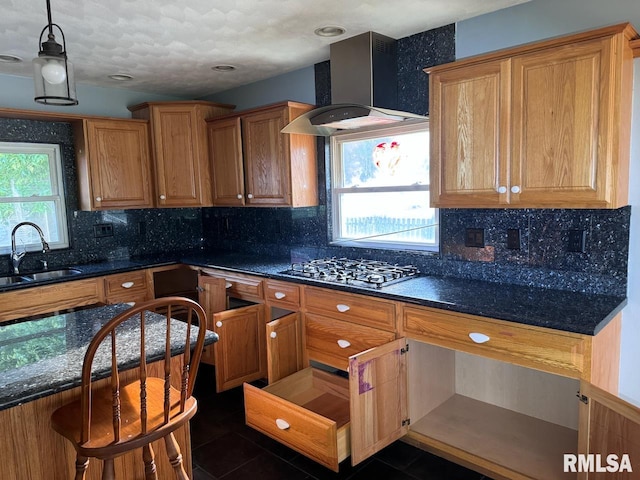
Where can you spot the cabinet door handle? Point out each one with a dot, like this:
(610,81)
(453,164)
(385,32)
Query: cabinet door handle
(279,295)
(249,195)
(131,304)
(228,285)
(515,189)
(239,196)
(127,284)
(98,199)
(273,334)
(282,424)
(479,337)
(344,343)
(502,189)
(342,307)
(163,197)
(218,324)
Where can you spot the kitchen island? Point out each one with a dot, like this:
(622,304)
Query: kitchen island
(40,370)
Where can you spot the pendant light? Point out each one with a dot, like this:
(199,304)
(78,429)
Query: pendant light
(52,71)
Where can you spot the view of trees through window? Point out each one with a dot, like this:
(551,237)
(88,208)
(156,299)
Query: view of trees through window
(30,190)
(381,190)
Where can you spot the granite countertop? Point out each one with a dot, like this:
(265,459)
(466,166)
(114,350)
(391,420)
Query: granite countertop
(43,356)
(557,309)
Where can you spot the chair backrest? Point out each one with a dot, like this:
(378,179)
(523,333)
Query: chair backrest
(165,324)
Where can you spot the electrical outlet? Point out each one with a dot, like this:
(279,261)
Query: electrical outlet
(103,230)
(513,238)
(474,237)
(577,241)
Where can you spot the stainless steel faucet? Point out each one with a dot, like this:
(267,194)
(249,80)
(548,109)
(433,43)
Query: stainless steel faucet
(16,257)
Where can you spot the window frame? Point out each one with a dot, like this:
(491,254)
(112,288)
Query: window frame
(57,196)
(335,177)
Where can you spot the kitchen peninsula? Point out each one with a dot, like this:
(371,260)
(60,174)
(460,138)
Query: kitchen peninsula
(40,365)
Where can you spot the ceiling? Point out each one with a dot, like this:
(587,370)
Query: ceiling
(169,46)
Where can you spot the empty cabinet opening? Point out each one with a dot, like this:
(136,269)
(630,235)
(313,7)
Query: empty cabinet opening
(181,282)
(521,419)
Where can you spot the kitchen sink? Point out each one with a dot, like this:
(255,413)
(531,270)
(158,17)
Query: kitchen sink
(13,280)
(52,274)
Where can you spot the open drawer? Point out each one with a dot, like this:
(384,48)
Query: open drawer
(328,417)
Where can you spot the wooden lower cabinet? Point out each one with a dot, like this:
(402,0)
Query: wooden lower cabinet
(284,348)
(129,287)
(327,417)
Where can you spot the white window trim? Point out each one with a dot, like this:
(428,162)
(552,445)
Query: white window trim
(336,179)
(57,197)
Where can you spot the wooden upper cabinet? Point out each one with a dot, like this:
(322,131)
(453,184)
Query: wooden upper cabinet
(225,152)
(545,125)
(181,160)
(114,167)
(254,164)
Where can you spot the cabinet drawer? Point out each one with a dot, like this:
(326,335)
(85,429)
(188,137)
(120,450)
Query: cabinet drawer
(542,349)
(307,411)
(127,287)
(282,294)
(332,341)
(240,286)
(360,309)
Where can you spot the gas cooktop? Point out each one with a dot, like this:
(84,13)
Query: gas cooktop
(361,273)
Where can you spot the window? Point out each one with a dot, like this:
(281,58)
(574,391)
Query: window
(31,190)
(380,189)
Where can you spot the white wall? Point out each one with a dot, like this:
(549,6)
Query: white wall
(17,92)
(540,19)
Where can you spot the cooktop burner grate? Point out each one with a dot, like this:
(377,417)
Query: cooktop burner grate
(367,273)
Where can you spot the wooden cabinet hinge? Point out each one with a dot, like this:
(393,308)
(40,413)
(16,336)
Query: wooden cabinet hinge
(583,398)
(406,421)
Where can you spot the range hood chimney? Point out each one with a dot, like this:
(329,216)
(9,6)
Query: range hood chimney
(364,88)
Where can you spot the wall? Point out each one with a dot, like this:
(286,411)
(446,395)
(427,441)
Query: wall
(297,85)
(17,92)
(545,18)
(135,232)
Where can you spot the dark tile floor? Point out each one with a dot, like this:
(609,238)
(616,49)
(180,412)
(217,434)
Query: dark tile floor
(225,448)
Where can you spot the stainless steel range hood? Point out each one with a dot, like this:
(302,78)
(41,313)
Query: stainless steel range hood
(364,88)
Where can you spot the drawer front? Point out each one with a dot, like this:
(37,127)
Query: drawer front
(50,298)
(127,287)
(240,286)
(308,433)
(368,311)
(282,294)
(556,352)
(332,341)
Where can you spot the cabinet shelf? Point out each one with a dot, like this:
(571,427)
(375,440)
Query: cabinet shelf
(523,444)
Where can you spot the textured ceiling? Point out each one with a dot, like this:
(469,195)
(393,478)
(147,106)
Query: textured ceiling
(169,46)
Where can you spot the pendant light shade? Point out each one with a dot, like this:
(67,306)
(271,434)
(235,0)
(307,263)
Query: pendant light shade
(52,71)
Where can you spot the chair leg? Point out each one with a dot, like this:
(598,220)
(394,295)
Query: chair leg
(108,470)
(149,463)
(175,457)
(82,463)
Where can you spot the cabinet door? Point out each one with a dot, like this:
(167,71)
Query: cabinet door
(240,351)
(225,154)
(609,426)
(378,398)
(562,111)
(284,349)
(213,298)
(119,162)
(182,175)
(469,135)
(266,157)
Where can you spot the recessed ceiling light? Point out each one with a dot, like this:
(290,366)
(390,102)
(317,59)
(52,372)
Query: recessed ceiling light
(9,58)
(329,31)
(121,77)
(224,68)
